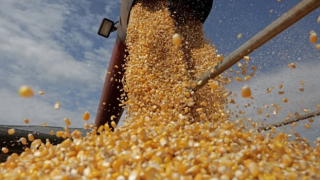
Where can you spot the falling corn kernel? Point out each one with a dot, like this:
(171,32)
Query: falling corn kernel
(292,65)
(313,37)
(176,39)
(285,100)
(214,85)
(246,91)
(26,121)
(30,137)
(247,78)
(271,11)
(199,83)
(260,111)
(318,19)
(11,131)
(44,124)
(239,79)
(280,86)
(51,132)
(220,57)
(86,116)
(67,121)
(59,133)
(247,58)
(57,105)
(5,150)
(254,68)
(26,92)
(318,46)
(23,141)
(113,124)
(307,126)
(305,110)
(86,126)
(41,92)
(239,36)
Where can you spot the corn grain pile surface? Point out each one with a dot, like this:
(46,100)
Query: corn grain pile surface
(171,133)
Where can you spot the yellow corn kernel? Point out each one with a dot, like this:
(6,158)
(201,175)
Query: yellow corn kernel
(117,164)
(286,160)
(66,143)
(313,37)
(86,126)
(176,39)
(67,121)
(199,83)
(318,46)
(239,79)
(151,173)
(247,58)
(187,94)
(30,137)
(25,92)
(100,129)
(307,126)
(204,104)
(44,124)
(292,65)
(41,92)
(247,78)
(23,141)
(59,133)
(318,19)
(51,132)
(214,85)
(5,150)
(143,135)
(11,131)
(57,105)
(113,124)
(305,110)
(86,116)
(239,36)
(220,57)
(26,121)
(246,91)
(285,100)
(253,167)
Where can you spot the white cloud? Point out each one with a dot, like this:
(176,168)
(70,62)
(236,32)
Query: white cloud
(54,47)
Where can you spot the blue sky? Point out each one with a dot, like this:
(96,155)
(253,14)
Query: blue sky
(53,46)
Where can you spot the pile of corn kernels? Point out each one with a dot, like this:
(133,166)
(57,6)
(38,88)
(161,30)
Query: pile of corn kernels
(171,133)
